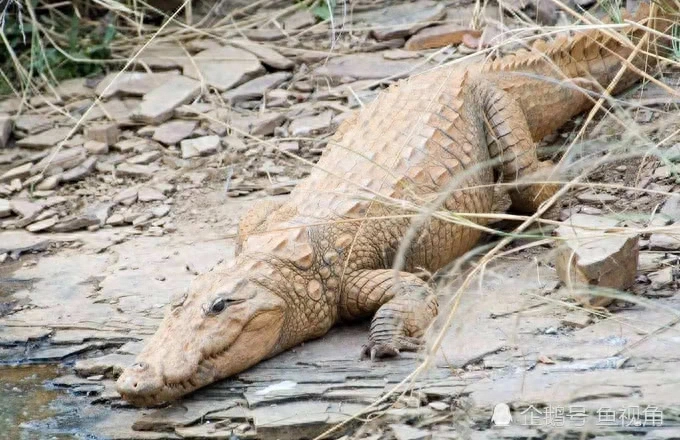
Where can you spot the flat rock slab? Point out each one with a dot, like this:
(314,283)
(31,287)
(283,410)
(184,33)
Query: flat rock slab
(401,20)
(309,125)
(159,104)
(132,83)
(46,139)
(223,67)
(256,88)
(171,132)
(6,125)
(366,66)
(203,146)
(266,55)
(440,36)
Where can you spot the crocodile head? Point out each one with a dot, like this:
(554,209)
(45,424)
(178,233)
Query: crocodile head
(221,326)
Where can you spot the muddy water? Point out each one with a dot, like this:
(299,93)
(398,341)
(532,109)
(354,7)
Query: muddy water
(32,410)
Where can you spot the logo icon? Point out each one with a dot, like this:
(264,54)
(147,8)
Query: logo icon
(501,415)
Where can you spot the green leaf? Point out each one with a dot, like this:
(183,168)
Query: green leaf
(321,9)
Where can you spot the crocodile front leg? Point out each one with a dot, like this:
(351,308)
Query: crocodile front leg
(404,306)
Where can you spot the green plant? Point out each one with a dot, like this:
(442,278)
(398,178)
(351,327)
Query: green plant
(51,46)
(323,9)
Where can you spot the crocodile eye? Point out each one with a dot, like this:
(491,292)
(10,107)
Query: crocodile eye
(218,306)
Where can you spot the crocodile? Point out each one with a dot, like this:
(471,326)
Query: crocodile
(335,249)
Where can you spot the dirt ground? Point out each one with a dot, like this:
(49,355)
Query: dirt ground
(99,234)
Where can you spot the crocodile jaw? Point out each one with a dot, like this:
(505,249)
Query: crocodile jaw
(192,348)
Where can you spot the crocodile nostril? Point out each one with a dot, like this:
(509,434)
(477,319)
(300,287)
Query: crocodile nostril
(140,366)
(134,385)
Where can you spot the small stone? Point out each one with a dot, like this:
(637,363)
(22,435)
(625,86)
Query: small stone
(596,198)
(126,197)
(132,83)
(32,124)
(172,132)
(43,225)
(158,105)
(127,145)
(223,67)
(46,139)
(589,257)
(100,211)
(289,147)
(64,159)
(577,318)
(49,183)
(130,170)
(5,208)
(302,18)
(160,211)
(75,223)
(6,125)
(15,184)
(270,168)
(103,132)
(235,144)
(202,146)
(20,172)
(147,194)
(96,147)
(256,88)
(170,227)
(80,171)
(142,219)
(438,406)
(664,242)
(366,66)
(439,36)
(266,55)
(311,124)
(402,19)
(115,220)
(259,125)
(145,158)
(661,279)
(671,208)
(406,432)
(28,211)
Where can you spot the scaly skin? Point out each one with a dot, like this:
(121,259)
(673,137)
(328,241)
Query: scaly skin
(326,254)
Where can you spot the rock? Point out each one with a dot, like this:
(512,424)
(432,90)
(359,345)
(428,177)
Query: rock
(661,279)
(577,318)
(46,139)
(159,104)
(440,36)
(49,183)
(32,124)
(290,147)
(132,83)
(73,88)
(270,168)
(302,18)
(80,171)
(116,220)
(671,208)
(127,145)
(309,125)
(100,211)
(147,194)
(64,159)
(256,88)
(596,198)
(6,125)
(672,154)
(259,125)
(406,432)
(96,147)
(160,211)
(145,158)
(172,132)
(142,219)
(5,208)
(20,172)
(162,56)
(130,170)
(43,225)
(665,242)
(110,365)
(223,67)
(587,257)
(366,66)
(202,146)
(267,56)
(401,20)
(103,132)
(28,211)
(439,406)
(126,197)
(76,223)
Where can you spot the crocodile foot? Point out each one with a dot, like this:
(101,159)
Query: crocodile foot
(376,349)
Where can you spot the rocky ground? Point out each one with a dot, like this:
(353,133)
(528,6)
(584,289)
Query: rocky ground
(99,232)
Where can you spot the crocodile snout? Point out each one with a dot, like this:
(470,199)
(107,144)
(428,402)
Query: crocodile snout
(140,384)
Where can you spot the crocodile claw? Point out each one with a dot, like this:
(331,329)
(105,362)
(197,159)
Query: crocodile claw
(377,350)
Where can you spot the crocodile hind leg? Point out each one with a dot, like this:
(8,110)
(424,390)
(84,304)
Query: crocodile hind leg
(510,142)
(404,306)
